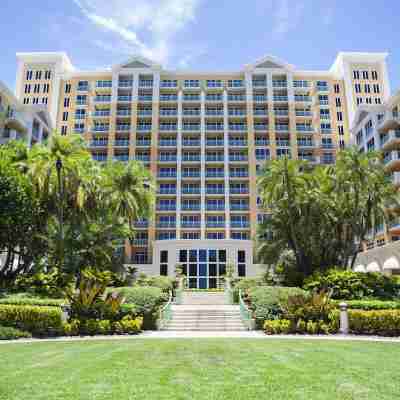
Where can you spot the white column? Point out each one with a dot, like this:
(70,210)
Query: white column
(178,167)
(202,166)
(226,166)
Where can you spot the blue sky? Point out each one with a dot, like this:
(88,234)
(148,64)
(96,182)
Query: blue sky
(199,34)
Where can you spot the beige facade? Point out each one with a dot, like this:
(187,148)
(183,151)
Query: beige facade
(206,135)
(32,124)
(377,128)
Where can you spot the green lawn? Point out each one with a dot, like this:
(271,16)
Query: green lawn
(200,369)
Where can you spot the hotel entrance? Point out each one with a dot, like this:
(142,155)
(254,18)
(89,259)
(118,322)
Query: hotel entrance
(204,268)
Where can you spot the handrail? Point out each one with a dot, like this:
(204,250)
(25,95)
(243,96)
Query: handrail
(228,291)
(165,312)
(179,290)
(245,312)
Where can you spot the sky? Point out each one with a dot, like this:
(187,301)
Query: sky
(206,35)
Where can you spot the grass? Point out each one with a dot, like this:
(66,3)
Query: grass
(200,369)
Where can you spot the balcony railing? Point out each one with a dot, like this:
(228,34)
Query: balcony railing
(124,98)
(191,142)
(121,142)
(216,142)
(215,158)
(237,143)
(167,142)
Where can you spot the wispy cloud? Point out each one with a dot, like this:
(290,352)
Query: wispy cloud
(145,27)
(287,15)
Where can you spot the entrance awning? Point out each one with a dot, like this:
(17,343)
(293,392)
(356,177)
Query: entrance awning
(391,263)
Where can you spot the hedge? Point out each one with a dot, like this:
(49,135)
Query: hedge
(147,301)
(375,322)
(31,301)
(265,301)
(370,304)
(38,320)
(9,333)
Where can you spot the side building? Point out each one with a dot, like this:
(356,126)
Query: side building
(31,124)
(377,128)
(204,136)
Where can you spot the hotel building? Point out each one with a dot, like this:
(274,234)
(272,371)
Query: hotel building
(377,128)
(32,124)
(204,136)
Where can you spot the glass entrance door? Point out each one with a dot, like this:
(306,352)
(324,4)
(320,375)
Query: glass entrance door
(203,268)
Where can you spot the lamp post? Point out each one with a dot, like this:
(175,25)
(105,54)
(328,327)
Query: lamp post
(60,212)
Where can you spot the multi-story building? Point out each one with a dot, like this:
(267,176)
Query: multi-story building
(377,128)
(32,124)
(204,136)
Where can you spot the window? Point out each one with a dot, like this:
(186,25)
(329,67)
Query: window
(336,88)
(339,116)
(377,100)
(29,75)
(371,145)
(375,75)
(376,88)
(241,270)
(80,113)
(164,269)
(47,75)
(66,102)
(36,88)
(367,88)
(65,116)
(359,100)
(35,100)
(63,130)
(38,75)
(81,99)
(46,88)
(338,102)
(83,85)
(357,88)
(341,130)
(26,100)
(341,144)
(241,256)
(67,88)
(368,100)
(27,88)
(365,75)
(44,100)
(356,74)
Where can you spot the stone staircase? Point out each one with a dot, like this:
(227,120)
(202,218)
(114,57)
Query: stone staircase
(205,311)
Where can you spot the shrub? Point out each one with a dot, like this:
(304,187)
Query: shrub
(165,283)
(277,326)
(370,304)
(31,301)
(375,322)
(129,325)
(71,328)
(244,285)
(10,333)
(266,301)
(147,301)
(35,319)
(350,285)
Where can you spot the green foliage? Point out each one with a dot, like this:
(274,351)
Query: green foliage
(318,213)
(129,325)
(266,301)
(370,304)
(10,333)
(147,301)
(314,307)
(39,320)
(165,283)
(349,285)
(375,322)
(277,326)
(24,300)
(244,284)
(71,328)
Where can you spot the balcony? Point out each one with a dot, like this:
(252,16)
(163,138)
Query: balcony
(99,143)
(215,224)
(168,84)
(282,143)
(235,84)
(122,128)
(262,142)
(215,127)
(280,98)
(261,127)
(145,98)
(259,83)
(140,242)
(210,207)
(281,128)
(167,143)
(237,127)
(144,128)
(168,127)
(99,157)
(168,112)
(237,113)
(214,84)
(143,143)
(125,83)
(213,98)
(100,128)
(214,142)
(279,83)
(121,157)
(238,157)
(216,190)
(101,113)
(390,120)
(143,158)
(236,98)
(121,142)
(191,158)
(191,127)
(103,84)
(186,190)
(309,158)
(301,113)
(171,158)
(214,113)
(191,142)
(166,224)
(391,158)
(237,143)
(304,128)
(146,83)
(281,113)
(168,97)
(305,143)
(145,113)
(168,191)
(259,98)
(325,145)
(215,174)
(239,225)
(215,158)
(102,99)
(191,174)
(167,174)
(125,98)
(243,174)
(302,99)
(390,140)
(191,97)
(239,206)
(191,207)
(141,224)
(190,224)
